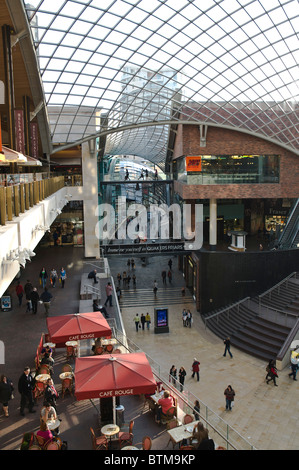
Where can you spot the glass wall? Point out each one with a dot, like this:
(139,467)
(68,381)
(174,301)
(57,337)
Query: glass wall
(227,169)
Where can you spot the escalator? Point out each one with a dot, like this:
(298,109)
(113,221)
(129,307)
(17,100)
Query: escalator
(289,238)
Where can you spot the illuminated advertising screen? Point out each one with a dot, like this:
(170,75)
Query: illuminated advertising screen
(161,320)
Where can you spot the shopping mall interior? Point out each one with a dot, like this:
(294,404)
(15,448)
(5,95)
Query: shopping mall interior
(156,143)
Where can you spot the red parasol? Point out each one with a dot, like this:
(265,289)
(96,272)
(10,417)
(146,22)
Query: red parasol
(113,375)
(77,326)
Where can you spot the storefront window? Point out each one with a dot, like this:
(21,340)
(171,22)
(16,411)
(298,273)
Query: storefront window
(228,169)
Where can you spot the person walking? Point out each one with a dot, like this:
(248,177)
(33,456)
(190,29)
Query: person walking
(34,297)
(294,364)
(25,387)
(136,320)
(196,408)
(189,319)
(109,290)
(53,277)
(184,317)
(6,393)
(28,288)
(163,274)
(272,373)
(169,276)
(134,280)
(170,264)
(173,375)
(46,297)
(182,375)
(229,397)
(148,320)
(43,275)
(142,319)
(62,277)
(155,288)
(20,293)
(227,347)
(195,368)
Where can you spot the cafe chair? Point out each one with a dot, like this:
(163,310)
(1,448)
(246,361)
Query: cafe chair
(37,363)
(67,368)
(148,401)
(70,352)
(170,415)
(172,424)
(52,445)
(146,443)
(67,385)
(100,442)
(44,369)
(109,348)
(39,390)
(41,441)
(188,419)
(99,350)
(125,438)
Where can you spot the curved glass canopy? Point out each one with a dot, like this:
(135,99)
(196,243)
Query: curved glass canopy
(129,69)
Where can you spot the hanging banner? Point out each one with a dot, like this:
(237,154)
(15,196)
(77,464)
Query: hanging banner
(19,128)
(193,163)
(33,140)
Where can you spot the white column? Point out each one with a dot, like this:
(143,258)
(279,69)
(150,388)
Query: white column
(90,201)
(213,224)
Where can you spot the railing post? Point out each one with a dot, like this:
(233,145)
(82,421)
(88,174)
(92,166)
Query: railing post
(22,197)
(9,202)
(3,205)
(16,200)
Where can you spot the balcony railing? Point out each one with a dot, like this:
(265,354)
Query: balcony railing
(20,192)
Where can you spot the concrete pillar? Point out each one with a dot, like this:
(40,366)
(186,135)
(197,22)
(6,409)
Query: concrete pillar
(213,224)
(90,202)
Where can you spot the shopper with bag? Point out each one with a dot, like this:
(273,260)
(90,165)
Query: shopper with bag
(229,397)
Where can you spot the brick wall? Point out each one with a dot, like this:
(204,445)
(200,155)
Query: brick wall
(226,142)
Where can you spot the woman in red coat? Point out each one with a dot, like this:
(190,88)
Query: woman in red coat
(195,368)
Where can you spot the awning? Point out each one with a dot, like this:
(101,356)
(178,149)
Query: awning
(12,156)
(77,326)
(111,375)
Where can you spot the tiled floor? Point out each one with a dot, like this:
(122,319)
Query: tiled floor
(265,415)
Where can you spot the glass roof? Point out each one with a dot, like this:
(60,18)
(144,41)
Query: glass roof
(146,64)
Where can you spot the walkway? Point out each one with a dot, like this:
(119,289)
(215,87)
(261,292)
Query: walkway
(266,416)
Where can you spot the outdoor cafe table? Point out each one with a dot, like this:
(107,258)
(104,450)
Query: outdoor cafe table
(53,424)
(105,342)
(72,343)
(51,345)
(66,375)
(42,377)
(110,430)
(156,397)
(185,431)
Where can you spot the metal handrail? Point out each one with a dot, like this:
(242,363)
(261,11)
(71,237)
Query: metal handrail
(186,398)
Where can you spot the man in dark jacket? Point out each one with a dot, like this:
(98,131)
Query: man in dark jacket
(28,289)
(34,297)
(25,388)
(46,298)
(93,275)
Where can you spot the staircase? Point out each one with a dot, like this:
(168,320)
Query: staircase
(257,326)
(165,296)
